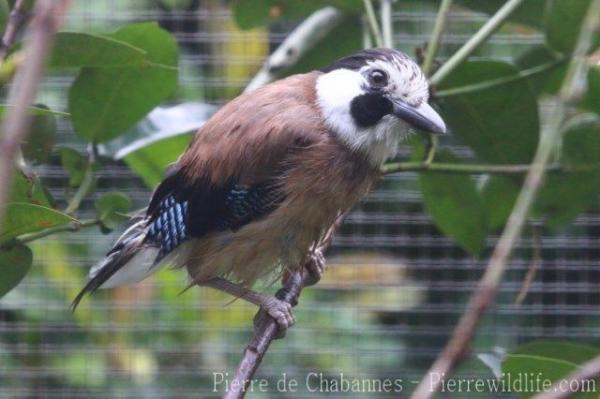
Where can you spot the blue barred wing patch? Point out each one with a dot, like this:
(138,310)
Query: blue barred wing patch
(169,227)
(239,206)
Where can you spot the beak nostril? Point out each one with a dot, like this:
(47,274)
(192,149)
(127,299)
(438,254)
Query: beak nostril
(422,117)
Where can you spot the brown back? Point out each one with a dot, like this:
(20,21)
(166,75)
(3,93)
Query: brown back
(250,137)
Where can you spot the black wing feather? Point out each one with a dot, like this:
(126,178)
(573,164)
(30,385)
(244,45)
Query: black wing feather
(179,211)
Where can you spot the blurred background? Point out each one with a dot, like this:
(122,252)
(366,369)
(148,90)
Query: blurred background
(386,306)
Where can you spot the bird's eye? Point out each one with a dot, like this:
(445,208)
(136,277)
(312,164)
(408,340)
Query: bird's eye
(378,78)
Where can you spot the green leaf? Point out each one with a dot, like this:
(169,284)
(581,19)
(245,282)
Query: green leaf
(499,197)
(28,188)
(41,134)
(21,218)
(176,4)
(41,137)
(564,19)
(591,101)
(105,102)
(344,39)
(150,162)
(78,49)
(581,144)
(160,46)
(530,12)
(28,5)
(111,208)
(500,123)
(74,163)
(251,13)
(296,9)
(551,360)
(546,82)
(562,350)
(4,13)
(455,205)
(564,196)
(15,263)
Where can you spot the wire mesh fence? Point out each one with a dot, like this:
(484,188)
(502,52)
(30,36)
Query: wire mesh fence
(385,308)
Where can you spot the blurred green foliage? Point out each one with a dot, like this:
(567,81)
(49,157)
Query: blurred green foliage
(491,107)
(501,123)
(105,102)
(549,360)
(456,205)
(78,50)
(151,161)
(22,218)
(15,263)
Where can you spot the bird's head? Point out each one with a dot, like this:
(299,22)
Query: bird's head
(372,99)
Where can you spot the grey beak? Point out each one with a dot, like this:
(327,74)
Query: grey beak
(422,117)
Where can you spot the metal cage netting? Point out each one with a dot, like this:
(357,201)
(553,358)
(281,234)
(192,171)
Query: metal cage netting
(385,308)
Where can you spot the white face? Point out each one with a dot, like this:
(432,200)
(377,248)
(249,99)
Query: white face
(404,83)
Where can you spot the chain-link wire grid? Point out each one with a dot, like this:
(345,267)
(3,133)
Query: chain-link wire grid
(384,310)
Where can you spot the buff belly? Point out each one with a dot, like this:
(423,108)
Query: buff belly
(262,249)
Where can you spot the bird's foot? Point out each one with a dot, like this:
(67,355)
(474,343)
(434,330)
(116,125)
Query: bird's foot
(278,310)
(315,266)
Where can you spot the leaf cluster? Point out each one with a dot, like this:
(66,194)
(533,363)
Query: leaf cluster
(495,108)
(119,78)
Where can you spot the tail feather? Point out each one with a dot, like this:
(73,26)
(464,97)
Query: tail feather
(144,248)
(128,247)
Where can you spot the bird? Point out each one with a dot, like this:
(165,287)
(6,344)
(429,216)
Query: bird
(268,174)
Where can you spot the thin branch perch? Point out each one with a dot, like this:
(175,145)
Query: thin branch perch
(87,183)
(47,18)
(267,330)
(534,265)
(489,84)
(436,36)
(476,40)
(16,21)
(72,227)
(373,24)
(487,287)
(427,166)
(387,23)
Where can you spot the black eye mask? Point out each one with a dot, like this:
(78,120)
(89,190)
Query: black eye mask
(368,109)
